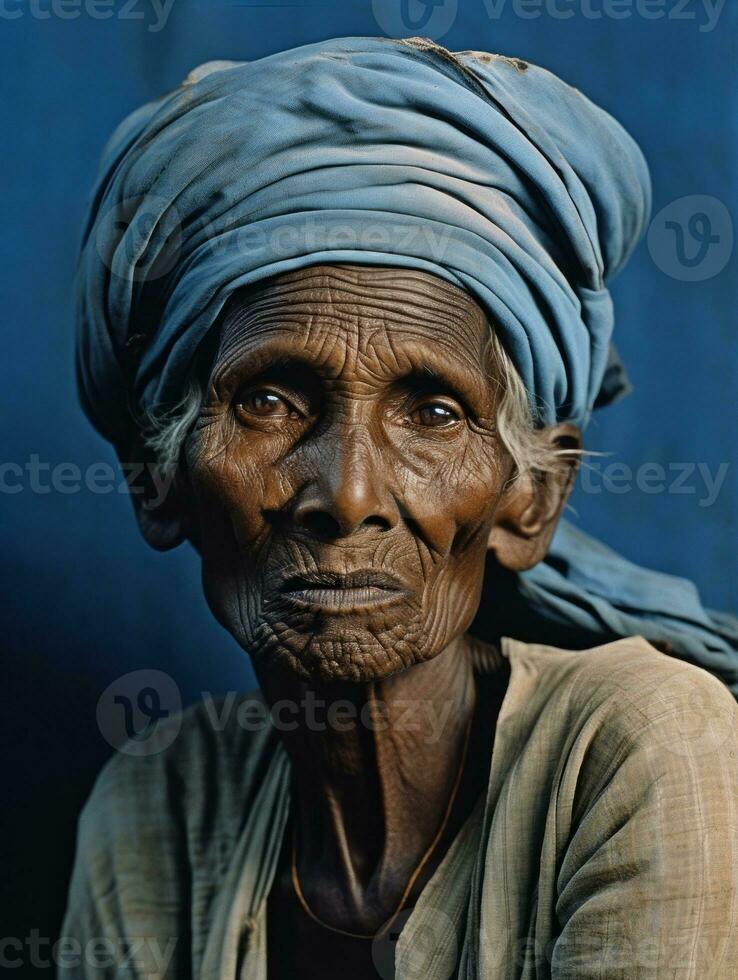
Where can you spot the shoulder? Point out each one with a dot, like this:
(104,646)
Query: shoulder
(628,693)
(156,837)
(624,744)
(196,770)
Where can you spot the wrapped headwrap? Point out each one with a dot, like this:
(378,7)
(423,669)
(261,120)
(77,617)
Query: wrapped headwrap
(486,171)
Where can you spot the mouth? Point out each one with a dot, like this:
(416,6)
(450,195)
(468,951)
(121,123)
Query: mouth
(333,592)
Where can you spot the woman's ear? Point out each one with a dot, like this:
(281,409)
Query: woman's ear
(161,500)
(531,506)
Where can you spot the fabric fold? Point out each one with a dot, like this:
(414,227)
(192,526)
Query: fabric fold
(487,171)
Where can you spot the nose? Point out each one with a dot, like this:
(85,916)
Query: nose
(349,490)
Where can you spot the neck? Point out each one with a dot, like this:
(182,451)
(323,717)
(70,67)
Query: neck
(375,766)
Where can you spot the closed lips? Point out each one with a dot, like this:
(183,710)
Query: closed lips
(334,591)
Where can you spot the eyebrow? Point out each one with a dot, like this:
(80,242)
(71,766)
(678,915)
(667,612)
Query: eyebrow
(469,386)
(252,364)
(463,383)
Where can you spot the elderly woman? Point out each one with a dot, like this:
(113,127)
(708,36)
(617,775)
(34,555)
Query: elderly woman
(352,298)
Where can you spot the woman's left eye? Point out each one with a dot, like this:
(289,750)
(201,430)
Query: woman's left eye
(435,414)
(264,403)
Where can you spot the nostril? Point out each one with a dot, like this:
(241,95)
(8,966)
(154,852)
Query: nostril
(321,524)
(329,512)
(376,520)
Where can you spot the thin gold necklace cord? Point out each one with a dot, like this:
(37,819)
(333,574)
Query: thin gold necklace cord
(413,877)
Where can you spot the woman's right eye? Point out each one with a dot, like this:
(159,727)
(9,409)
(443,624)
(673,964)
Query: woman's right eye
(264,403)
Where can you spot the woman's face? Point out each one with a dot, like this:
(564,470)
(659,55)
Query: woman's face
(346,470)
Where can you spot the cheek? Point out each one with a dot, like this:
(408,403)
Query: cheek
(235,480)
(231,482)
(458,514)
(452,491)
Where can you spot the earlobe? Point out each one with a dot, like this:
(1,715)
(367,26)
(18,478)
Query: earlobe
(162,525)
(160,500)
(530,510)
(516,539)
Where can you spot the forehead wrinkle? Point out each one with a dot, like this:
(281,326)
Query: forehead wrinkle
(352,315)
(343,316)
(463,374)
(391,287)
(333,345)
(267,346)
(395,359)
(465,338)
(341,307)
(242,344)
(359,274)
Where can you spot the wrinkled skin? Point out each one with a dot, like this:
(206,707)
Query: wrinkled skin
(349,427)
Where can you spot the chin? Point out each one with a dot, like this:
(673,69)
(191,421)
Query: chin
(336,652)
(354,643)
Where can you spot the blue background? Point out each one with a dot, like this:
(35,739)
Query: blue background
(84,599)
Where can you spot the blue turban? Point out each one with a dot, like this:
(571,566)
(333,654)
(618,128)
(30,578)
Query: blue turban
(484,170)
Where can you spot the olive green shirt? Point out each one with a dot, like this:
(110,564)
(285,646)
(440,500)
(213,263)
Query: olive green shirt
(606,845)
